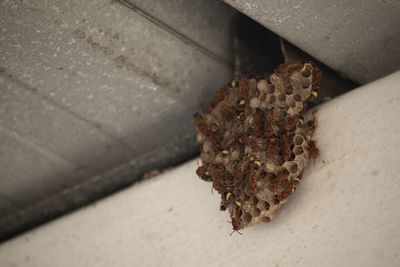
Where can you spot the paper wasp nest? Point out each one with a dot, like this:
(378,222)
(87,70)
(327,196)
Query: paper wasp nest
(256,142)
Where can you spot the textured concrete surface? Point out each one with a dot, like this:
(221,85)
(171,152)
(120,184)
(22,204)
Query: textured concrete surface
(191,23)
(344,212)
(359,39)
(6,206)
(96,93)
(47,147)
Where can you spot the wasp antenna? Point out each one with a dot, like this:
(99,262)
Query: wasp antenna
(235,231)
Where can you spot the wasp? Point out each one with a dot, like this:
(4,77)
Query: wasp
(243,88)
(215,144)
(314,151)
(217,185)
(286,193)
(276,184)
(227,198)
(285,147)
(254,146)
(237,225)
(316,78)
(249,140)
(202,173)
(219,96)
(268,123)
(258,123)
(290,125)
(199,121)
(223,174)
(252,185)
(240,173)
(284,68)
(228,112)
(272,149)
(230,142)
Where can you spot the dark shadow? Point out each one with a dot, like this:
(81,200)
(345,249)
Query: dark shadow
(257,49)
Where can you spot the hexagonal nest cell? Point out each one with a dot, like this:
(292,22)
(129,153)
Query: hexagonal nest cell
(255,141)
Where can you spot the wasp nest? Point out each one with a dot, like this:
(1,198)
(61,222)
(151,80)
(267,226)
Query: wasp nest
(256,142)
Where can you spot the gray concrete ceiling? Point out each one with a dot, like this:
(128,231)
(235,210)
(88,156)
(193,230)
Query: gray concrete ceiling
(359,39)
(100,90)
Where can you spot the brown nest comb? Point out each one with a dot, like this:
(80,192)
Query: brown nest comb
(256,142)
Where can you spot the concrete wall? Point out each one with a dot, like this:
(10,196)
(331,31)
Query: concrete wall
(343,213)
